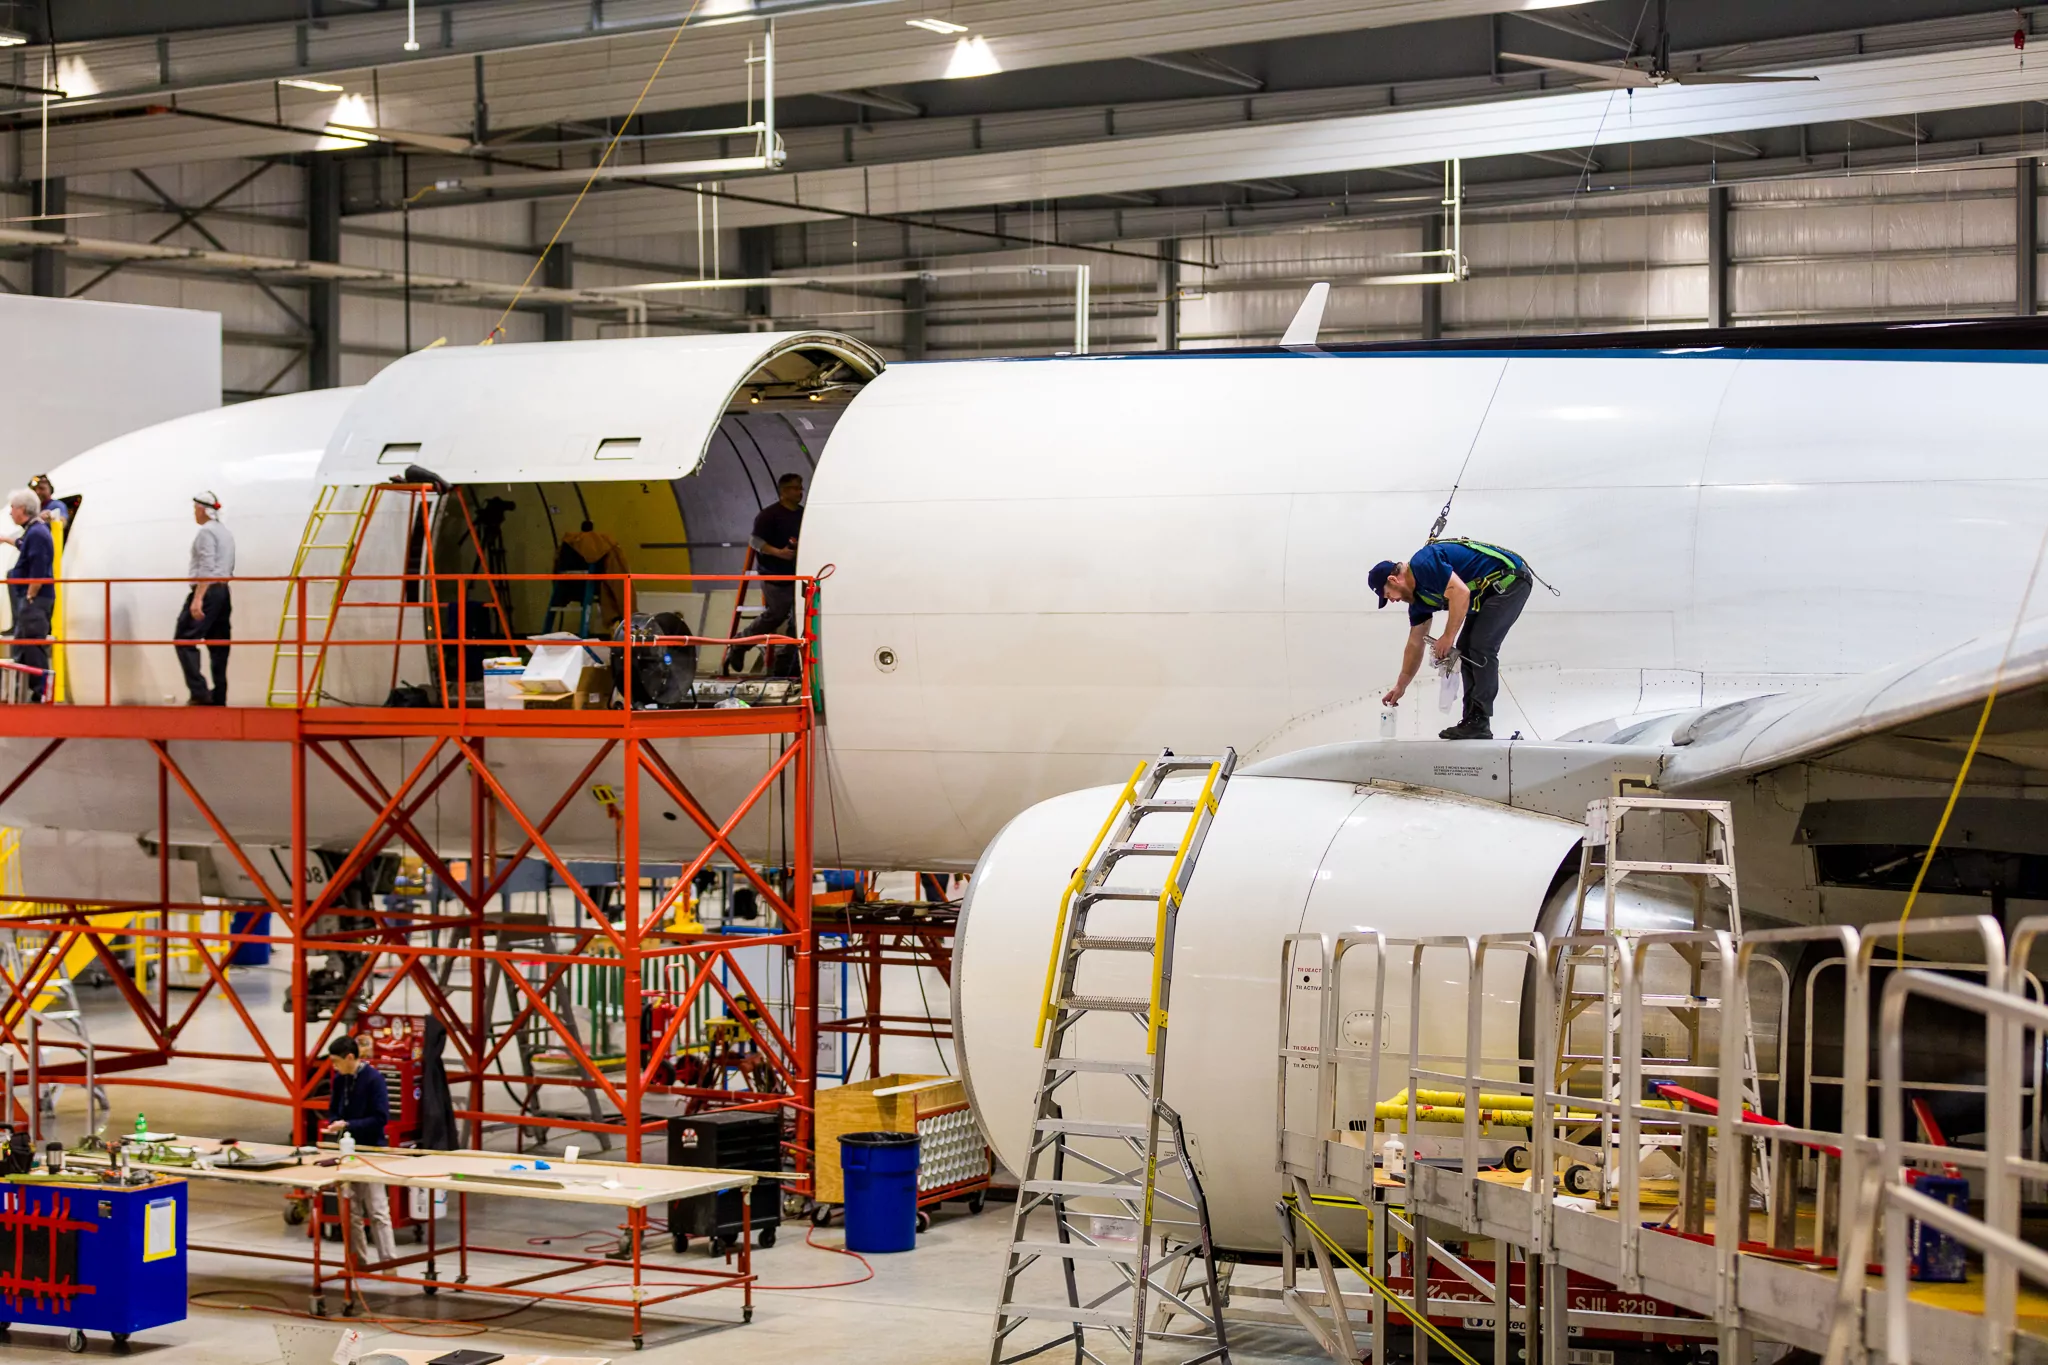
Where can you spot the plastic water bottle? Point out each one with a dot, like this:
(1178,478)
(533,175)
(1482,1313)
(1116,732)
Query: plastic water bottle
(141,1124)
(348,1143)
(1387,719)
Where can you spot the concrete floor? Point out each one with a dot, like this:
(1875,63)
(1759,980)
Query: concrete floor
(923,1307)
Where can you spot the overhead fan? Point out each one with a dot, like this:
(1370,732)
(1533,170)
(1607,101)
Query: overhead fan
(1647,73)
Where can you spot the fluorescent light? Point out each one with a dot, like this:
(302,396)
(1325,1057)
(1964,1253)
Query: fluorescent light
(944,27)
(972,57)
(1550,4)
(300,83)
(10,37)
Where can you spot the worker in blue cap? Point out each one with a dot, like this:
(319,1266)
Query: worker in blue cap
(1484,588)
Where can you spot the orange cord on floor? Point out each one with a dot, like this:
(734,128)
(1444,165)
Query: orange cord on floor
(836,1251)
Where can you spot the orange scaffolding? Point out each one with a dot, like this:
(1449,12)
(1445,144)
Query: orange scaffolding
(451,954)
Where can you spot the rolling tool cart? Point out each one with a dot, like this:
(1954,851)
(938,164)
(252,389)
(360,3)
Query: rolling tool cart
(84,1256)
(732,1139)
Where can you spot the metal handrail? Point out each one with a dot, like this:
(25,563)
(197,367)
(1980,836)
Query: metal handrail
(1996,1235)
(427,593)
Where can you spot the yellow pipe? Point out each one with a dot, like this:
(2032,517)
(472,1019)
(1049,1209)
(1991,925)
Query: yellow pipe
(1059,928)
(57,612)
(1378,1285)
(1170,896)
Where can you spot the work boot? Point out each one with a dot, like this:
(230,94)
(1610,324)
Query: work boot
(1472,727)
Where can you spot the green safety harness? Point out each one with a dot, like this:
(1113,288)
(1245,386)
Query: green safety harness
(1501,579)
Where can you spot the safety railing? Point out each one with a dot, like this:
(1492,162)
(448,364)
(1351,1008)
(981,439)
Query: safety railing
(1995,1235)
(1347,1091)
(425,632)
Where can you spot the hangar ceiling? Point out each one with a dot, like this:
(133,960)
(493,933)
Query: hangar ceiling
(1125,130)
(1195,102)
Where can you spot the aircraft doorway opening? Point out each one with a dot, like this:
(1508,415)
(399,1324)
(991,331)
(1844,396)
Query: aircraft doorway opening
(776,424)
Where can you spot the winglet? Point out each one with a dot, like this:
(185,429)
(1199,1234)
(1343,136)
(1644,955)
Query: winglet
(1308,319)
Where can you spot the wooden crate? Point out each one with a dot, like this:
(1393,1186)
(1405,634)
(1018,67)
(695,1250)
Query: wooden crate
(887,1104)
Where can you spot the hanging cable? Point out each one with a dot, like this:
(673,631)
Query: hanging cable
(1955,790)
(609,148)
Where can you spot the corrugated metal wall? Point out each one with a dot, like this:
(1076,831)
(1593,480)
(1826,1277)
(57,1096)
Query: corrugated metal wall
(1867,246)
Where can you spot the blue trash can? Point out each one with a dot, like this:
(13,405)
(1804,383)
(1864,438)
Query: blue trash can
(881,1190)
(249,922)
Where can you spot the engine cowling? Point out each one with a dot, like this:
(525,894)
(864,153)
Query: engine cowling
(1285,855)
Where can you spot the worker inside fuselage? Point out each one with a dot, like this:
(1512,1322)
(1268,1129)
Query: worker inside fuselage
(546,558)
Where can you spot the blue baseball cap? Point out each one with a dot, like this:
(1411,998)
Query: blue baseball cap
(1377,579)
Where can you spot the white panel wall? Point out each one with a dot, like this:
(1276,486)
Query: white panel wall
(75,373)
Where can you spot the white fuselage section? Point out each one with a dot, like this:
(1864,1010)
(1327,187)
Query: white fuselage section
(1071,563)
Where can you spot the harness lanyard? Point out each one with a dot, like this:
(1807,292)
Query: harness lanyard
(1509,571)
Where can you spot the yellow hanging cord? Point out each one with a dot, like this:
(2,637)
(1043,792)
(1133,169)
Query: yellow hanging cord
(1970,754)
(610,147)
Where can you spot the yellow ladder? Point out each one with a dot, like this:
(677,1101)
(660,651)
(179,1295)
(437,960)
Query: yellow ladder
(327,550)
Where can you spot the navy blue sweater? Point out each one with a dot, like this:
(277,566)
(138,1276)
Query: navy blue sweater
(363,1102)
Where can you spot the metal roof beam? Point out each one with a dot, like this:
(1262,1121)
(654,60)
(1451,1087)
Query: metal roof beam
(1591,30)
(1577,161)
(873,99)
(1722,142)
(1203,65)
(1905,128)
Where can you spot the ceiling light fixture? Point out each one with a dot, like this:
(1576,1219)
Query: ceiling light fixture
(972,57)
(300,83)
(943,27)
(12,37)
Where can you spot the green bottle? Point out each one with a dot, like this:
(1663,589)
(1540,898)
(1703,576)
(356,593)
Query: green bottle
(141,1124)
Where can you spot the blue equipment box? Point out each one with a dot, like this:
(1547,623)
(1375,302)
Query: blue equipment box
(92,1258)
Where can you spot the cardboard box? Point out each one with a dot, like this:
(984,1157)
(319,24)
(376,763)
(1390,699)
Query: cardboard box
(593,692)
(887,1104)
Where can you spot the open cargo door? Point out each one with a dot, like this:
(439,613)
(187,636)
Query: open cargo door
(644,408)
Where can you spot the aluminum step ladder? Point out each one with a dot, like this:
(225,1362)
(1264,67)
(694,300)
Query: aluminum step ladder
(1118,1193)
(1602,871)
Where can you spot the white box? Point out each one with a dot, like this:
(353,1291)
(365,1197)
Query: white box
(501,683)
(557,663)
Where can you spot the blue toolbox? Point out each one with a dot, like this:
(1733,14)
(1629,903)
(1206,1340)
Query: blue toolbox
(91,1257)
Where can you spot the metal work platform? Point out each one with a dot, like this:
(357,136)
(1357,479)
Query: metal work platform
(301,801)
(1431,1096)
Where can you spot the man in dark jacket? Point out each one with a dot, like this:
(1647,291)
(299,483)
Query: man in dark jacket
(33,602)
(358,1102)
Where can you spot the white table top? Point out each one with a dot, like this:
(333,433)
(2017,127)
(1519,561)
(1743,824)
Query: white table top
(617,1184)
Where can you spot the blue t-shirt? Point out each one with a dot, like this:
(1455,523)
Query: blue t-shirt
(1433,566)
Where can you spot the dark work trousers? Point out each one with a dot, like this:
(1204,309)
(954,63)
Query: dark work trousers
(32,622)
(778,617)
(216,613)
(1486,625)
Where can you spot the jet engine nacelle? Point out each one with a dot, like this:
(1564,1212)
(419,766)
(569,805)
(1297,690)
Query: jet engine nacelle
(1285,855)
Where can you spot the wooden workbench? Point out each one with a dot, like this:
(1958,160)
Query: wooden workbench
(629,1187)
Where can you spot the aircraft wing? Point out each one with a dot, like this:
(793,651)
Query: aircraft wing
(1912,720)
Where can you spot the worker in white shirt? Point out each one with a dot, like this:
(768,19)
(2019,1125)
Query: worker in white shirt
(208,610)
